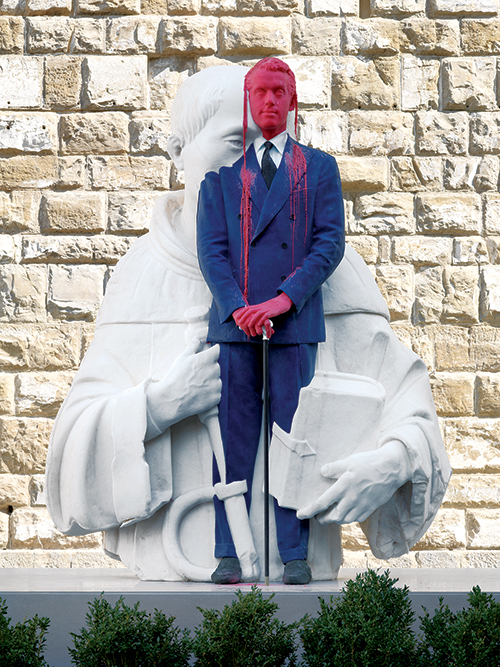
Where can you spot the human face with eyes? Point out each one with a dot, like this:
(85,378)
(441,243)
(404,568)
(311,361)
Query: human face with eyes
(270,101)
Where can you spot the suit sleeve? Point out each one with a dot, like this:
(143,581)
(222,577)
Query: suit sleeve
(328,242)
(213,248)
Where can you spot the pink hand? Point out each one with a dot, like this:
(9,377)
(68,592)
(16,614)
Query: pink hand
(251,318)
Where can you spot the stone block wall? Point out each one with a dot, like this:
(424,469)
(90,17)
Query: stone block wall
(406,95)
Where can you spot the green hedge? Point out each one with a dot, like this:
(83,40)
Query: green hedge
(370,625)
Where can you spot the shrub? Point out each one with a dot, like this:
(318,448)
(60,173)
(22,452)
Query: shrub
(22,645)
(245,634)
(469,638)
(368,626)
(122,636)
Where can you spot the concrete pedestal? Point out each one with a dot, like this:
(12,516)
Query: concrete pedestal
(62,595)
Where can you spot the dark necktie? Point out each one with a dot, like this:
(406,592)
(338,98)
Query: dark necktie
(268,168)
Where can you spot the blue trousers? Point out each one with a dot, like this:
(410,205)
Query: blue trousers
(291,367)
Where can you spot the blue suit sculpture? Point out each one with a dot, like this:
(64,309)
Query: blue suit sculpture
(259,248)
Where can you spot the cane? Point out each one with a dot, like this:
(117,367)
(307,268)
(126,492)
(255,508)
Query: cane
(265,410)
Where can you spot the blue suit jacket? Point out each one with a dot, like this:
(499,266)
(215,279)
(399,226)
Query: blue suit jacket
(297,241)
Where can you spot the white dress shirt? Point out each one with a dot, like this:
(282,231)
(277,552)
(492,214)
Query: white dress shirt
(277,150)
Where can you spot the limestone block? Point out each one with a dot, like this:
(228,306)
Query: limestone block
(484,346)
(117,172)
(92,558)
(22,293)
(11,34)
(363,174)
(48,34)
(485,133)
(440,133)
(114,82)
(316,36)
(492,214)
(453,394)
(481,36)
(66,249)
(353,537)
(404,176)
(355,559)
(384,213)
(380,133)
(20,82)
(34,7)
(470,250)
(130,212)
(33,528)
(417,338)
(41,394)
(313,80)
(391,7)
(366,246)
(461,302)
(71,172)
(472,443)
(482,528)
(75,292)
(490,294)
(268,7)
(326,130)
(439,559)
(461,7)
(365,84)
(465,491)
(396,285)
(37,491)
(94,133)
(42,347)
(157,6)
(51,559)
(149,135)
(451,346)
(487,174)
(62,82)
(109,249)
(182,7)
(87,337)
(493,248)
(420,83)
(6,393)
(425,37)
(14,491)
(9,249)
(459,173)
(331,7)
(248,36)
(28,133)
(177,181)
(371,37)
(72,212)
(488,398)
(443,213)
(429,171)
(133,35)
(447,531)
(191,35)
(4,530)
(19,211)
(28,171)
(421,250)
(89,36)
(484,559)
(165,77)
(429,295)
(469,83)
(24,444)
(108,6)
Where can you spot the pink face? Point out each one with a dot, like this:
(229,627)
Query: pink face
(270,101)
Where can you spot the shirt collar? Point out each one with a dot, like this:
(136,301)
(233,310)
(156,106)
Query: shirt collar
(278,142)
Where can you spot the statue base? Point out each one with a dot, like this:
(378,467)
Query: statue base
(63,594)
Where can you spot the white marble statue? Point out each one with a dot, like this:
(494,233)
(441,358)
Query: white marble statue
(131,450)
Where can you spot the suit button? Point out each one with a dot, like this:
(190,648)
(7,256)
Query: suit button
(292,217)
(239,216)
(284,246)
(253,244)
(283,278)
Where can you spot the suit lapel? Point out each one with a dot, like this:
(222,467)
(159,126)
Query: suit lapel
(258,188)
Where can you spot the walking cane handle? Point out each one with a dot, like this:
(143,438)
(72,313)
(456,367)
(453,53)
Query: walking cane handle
(264,332)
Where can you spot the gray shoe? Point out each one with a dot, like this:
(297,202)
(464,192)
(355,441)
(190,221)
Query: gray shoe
(296,572)
(228,571)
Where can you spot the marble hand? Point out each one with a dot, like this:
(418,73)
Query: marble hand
(192,385)
(251,318)
(363,482)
